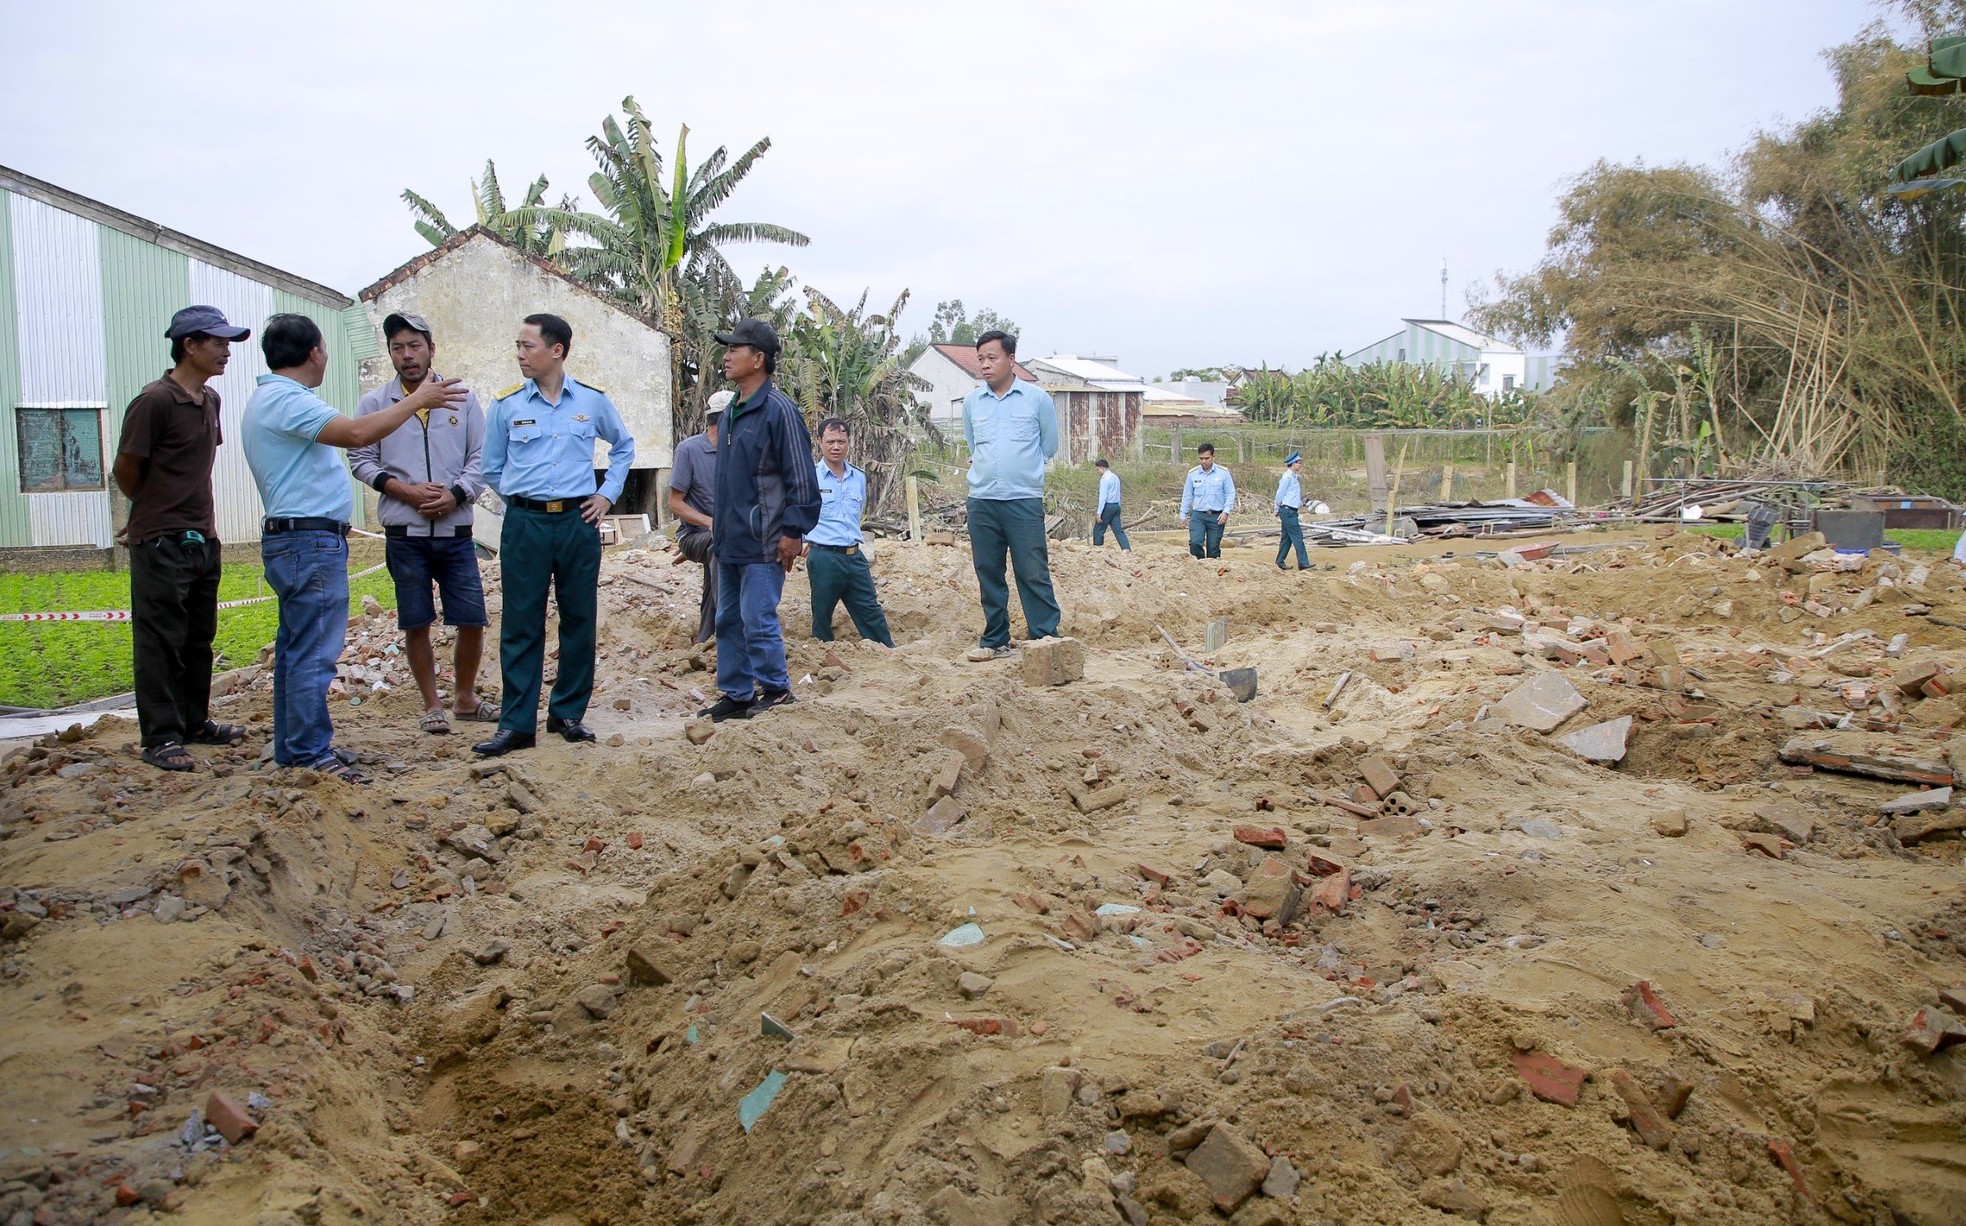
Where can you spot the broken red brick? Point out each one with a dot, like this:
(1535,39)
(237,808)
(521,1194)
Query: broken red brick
(1784,1154)
(1080,926)
(1645,1118)
(229,1118)
(1646,1006)
(594,844)
(126,1195)
(1550,1079)
(1930,1030)
(309,971)
(1271,837)
(634,840)
(1378,774)
(1155,875)
(855,901)
(1004,1026)
(1332,892)
(457,1200)
(1768,845)
(1324,866)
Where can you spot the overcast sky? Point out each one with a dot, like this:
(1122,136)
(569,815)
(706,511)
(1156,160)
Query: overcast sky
(1177,184)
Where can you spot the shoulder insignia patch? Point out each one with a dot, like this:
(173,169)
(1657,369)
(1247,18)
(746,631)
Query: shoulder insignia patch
(508,391)
(590,387)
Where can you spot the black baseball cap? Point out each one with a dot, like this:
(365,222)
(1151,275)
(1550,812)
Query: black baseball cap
(753,332)
(206,319)
(397,321)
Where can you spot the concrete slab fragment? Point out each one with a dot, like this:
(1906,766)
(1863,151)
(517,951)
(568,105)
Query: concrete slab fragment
(1540,703)
(1603,742)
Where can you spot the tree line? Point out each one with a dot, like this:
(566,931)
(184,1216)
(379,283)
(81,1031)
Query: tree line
(654,244)
(1780,313)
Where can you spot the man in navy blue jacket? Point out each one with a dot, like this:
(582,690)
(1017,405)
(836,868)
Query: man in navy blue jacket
(767,500)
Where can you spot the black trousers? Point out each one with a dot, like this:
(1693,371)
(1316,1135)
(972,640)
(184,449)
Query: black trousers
(694,542)
(174,613)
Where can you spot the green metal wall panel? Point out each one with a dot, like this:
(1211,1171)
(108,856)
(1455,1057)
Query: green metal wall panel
(143,285)
(343,386)
(14,527)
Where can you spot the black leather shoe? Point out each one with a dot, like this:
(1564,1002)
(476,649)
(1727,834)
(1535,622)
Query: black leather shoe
(504,743)
(570,729)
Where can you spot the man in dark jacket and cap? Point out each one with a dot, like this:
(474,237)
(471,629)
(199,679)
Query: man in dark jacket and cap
(767,499)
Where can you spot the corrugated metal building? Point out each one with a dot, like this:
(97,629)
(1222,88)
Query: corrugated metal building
(1492,367)
(86,291)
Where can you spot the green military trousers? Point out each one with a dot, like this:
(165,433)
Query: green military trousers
(538,549)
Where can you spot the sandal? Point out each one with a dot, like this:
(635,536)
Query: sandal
(435,721)
(215,733)
(344,772)
(169,756)
(483,713)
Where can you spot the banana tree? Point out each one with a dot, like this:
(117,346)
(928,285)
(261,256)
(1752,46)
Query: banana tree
(518,226)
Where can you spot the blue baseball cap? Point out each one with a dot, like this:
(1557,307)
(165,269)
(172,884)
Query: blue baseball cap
(207,319)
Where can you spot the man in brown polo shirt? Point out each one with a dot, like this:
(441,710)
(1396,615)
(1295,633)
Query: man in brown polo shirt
(164,466)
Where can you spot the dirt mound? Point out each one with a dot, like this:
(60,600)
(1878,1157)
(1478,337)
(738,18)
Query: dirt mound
(935,945)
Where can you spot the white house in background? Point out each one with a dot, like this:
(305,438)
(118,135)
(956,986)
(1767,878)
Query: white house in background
(1161,404)
(1492,367)
(952,373)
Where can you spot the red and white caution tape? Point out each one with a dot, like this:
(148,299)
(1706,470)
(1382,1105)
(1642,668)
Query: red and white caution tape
(123,615)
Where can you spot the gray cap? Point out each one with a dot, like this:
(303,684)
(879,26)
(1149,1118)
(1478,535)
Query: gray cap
(399,320)
(206,319)
(718,403)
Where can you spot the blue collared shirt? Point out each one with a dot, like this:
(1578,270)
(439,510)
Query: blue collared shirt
(1290,491)
(841,500)
(1209,492)
(1109,489)
(537,449)
(297,476)
(1010,437)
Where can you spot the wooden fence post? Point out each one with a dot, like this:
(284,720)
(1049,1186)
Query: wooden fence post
(1511,485)
(911,490)
(1570,482)
(1626,488)
(1447,483)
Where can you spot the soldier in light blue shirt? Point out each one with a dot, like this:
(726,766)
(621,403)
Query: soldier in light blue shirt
(539,456)
(1011,427)
(835,562)
(1109,508)
(1290,501)
(1207,498)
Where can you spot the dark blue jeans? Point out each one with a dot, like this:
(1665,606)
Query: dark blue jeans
(1293,533)
(750,642)
(1205,533)
(308,571)
(1109,517)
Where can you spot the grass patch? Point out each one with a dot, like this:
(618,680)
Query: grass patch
(54,664)
(1911,540)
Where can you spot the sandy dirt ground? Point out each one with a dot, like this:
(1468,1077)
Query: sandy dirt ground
(1511,983)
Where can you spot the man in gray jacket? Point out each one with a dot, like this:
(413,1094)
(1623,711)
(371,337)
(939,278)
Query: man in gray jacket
(427,473)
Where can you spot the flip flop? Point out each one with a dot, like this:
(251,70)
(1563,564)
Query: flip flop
(215,733)
(435,721)
(483,713)
(169,756)
(344,772)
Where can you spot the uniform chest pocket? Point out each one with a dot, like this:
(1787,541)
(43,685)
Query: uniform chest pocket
(583,430)
(522,433)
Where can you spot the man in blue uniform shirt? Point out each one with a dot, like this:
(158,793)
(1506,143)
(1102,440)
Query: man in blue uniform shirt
(1109,508)
(1012,429)
(1289,503)
(767,500)
(1207,498)
(835,561)
(290,440)
(539,456)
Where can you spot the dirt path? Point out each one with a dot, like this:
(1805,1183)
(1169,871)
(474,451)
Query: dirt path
(534,991)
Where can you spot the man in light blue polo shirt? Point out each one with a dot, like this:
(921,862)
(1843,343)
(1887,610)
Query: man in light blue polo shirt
(292,441)
(1012,429)
(539,456)
(1289,505)
(1207,498)
(835,562)
(1109,508)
